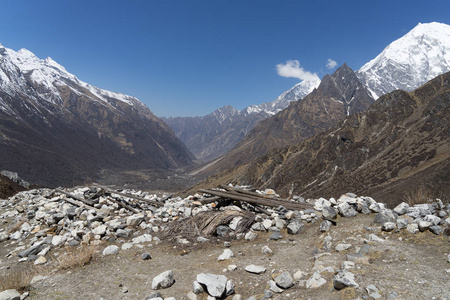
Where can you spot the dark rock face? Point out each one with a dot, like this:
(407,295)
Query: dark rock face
(337,96)
(400,143)
(67,132)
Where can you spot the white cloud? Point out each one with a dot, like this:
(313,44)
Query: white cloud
(331,64)
(292,69)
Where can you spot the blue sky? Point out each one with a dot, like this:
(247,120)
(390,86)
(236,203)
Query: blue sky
(188,58)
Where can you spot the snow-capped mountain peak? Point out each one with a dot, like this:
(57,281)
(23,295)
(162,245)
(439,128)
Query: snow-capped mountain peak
(417,57)
(18,69)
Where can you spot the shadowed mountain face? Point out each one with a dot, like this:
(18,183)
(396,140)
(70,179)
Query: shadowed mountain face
(400,143)
(58,130)
(337,96)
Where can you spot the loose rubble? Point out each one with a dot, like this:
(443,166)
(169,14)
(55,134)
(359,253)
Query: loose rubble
(48,220)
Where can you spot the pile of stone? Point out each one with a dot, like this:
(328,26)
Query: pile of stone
(433,216)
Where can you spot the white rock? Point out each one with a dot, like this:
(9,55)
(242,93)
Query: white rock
(315,281)
(234,223)
(267,223)
(126,246)
(255,269)
(342,247)
(163,280)
(10,295)
(215,284)
(100,230)
(299,275)
(145,238)
(40,260)
(58,240)
(111,250)
(227,254)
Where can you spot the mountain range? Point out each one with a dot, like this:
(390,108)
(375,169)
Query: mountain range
(57,130)
(213,135)
(401,143)
(420,55)
(337,96)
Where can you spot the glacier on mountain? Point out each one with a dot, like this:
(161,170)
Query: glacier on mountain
(417,57)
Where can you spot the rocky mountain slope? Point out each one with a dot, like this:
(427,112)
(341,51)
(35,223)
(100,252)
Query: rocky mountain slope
(405,64)
(337,96)
(400,144)
(213,135)
(417,57)
(58,130)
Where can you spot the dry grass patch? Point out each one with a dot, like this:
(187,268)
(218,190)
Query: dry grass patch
(419,195)
(74,258)
(16,279)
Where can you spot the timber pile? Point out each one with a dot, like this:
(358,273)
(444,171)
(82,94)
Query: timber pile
(252,198)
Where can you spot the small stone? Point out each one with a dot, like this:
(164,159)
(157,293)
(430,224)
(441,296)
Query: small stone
(346,210)
(276,235)
(424,225)
(342,247)
(348,265)
(295,227)
(146,256)
(30,251)
(284,280)
(315,281)
(227,254)
(384,216)
(57,240)
(388,226)
(436,230)
(197,288)
(325,226)
(227,244)
(344,279)
(163,280)
(329,212)
(111,250)
(401,209)
(229,288)
(231,268)
(135,220)
(255,269)
(215,284)
(434,220)
(266,250)
(222,230)
(412,228)
(274,288)
(40,260)
(299,275)
(249,236)
(10,295)
(234,223)
(258,226)
(267,223)
(127,246)
(155,295)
